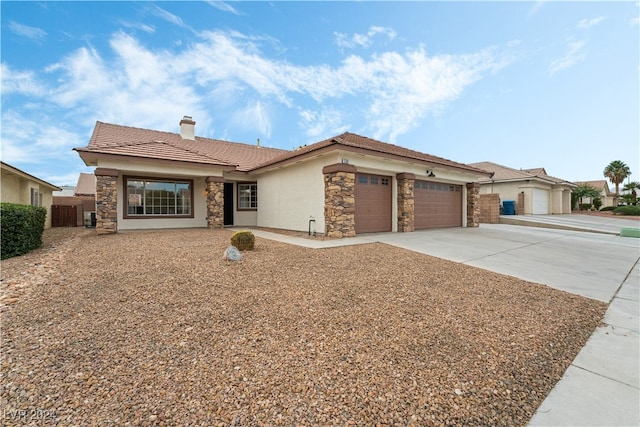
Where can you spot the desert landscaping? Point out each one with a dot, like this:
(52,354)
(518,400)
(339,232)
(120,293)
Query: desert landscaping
(155,328)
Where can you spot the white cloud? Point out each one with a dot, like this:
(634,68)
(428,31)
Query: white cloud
(21,82)
(574,55)
(169,17)
(533,10)
(225,7)
(635,21)
(327,121)
(225,77)
(362,40)
(138,26)
(46,140)
(32,33)
(255,117)
(588,23)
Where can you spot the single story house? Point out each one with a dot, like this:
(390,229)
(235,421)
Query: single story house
(342,186)
(533,191)
(24,189)
(607,197)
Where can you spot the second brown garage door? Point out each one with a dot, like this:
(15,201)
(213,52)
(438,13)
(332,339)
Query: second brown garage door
(437,205)
(373,203)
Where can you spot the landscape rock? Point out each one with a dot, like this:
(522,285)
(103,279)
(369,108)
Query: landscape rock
(232,254)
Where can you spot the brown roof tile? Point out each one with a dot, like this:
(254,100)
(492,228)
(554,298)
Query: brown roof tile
(354,141)
(144,143)
(505,173)
(86,185)
(600,185)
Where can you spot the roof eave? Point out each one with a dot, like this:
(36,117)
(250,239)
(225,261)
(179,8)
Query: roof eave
(91,156)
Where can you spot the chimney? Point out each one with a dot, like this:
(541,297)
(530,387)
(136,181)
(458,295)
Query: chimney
(187,128)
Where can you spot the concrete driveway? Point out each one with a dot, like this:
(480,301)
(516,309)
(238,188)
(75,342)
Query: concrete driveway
(587,264)
(602,385)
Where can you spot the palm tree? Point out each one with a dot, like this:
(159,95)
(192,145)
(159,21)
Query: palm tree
(632,195)
(617,171)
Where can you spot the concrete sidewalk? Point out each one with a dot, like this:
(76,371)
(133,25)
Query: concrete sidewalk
(574,222)
(602,385)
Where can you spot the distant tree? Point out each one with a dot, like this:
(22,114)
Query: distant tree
(632,196)
(584,191)
(617,171)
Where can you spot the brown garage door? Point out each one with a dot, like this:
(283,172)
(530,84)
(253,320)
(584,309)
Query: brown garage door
(437,205)
(373,203)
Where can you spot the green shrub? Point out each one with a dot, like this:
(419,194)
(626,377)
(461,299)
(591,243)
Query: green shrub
(627,210)
(585,206)
(597,203)
(607,208)
(243,240)
(21,227)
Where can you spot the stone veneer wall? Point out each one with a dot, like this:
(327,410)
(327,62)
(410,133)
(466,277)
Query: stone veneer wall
(106,201)
(490,208)
(406,202)
(473,204)
(215,202)
(339,200)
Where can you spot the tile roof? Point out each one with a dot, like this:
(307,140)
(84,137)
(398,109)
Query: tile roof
(86,184)
(505,173)
(350,140)
(144,143)
(151,144)
(598,184)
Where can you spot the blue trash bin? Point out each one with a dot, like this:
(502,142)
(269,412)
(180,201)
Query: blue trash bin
(509,207)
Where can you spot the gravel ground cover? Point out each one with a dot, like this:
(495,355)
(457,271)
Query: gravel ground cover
(155,328)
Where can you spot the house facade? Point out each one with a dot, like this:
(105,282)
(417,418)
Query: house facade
(533,191)
(25,189)
(340,187)
(606,196)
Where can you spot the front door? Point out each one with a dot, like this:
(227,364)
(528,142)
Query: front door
(228,203)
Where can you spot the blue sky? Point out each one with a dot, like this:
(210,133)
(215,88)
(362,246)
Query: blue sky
(523,84)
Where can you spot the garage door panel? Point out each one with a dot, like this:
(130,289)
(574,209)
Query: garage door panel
(437,205)
(373,203)
(540,201)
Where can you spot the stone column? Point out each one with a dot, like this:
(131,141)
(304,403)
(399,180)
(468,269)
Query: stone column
(215,201)
(473,204)
(106,201)
(339,200)
(406,202)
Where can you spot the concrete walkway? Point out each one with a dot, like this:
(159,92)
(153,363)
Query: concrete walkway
(602,385)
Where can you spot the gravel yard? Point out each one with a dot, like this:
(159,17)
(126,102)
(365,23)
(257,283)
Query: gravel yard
(155,328)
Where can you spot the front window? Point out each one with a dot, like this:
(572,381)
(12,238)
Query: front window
(154,197)
(247,196)
(36,197)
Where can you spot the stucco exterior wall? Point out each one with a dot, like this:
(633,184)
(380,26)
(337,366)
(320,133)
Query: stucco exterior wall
(289,197)
(16,189)
(244,218)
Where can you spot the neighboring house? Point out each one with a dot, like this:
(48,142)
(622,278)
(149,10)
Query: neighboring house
(344,185)
(24,189)
(533,191)
(79,208)
(65,191)
(607,197)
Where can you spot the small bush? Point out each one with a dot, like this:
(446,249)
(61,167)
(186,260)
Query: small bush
(243,240)
(21,227)
(607,208)
(627,210)
(585,206)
